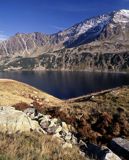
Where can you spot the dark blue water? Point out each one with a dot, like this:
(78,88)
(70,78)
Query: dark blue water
(66,85)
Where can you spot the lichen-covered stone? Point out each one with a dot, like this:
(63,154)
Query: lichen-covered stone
(12,121)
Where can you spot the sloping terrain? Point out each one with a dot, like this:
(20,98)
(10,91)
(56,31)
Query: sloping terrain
(98,43)
(32,146)
(96,118)
(72,59)
(18,141)
(12,92)
(80,112)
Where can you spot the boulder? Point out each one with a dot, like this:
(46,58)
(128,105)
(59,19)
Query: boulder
(52,126)
(54,122)
(74,140)
(108,154)
(51,130)
(59,129)
(31,112)
(44,124)
(99,153)
(65,127)
(12,121)
(68,137)
(43,118)
(120,146)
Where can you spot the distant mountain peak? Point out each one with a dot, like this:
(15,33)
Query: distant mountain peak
(123,11)
(121,16)
(100,42)
(106,26)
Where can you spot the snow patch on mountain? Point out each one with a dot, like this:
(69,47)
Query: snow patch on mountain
(121,16)
(92,23)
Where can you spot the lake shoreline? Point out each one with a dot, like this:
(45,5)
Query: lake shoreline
(66,70)
(68,84)
(91,95)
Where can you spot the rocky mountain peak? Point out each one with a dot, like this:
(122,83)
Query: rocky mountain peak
(100,34)
(121,16)
(82,27)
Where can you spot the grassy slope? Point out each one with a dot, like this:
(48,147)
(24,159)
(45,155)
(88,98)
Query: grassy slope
(12,92)
(35,147)
(30,146)
(108,100)
(82,112)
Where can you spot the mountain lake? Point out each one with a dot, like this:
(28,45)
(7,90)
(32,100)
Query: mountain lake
(69,84)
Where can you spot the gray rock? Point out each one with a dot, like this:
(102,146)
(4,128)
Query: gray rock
(68,137)
(108,154)
(99,153)
(65,127)
(31,112)
(45,118)
(120,146)
(51,130)
(74,140)
(44,124)
(59,129)
(54,122)
(13,121)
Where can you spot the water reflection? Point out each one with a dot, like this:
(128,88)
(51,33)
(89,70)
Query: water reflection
(69,84)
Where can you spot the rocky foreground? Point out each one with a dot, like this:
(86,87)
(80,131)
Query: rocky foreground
(90,127)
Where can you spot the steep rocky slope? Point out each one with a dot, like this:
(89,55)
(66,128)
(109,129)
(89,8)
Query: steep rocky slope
(71,59)
(98,43)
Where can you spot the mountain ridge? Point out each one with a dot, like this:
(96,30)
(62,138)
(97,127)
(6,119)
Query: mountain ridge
(100,35)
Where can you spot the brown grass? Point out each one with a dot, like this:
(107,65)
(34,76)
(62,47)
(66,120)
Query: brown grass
(35,147)
(96,119)
(12,92)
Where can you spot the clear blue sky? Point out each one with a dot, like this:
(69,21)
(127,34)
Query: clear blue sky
(50,16)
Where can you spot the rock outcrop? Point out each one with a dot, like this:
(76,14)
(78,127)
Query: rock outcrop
(71,59)
(15,121)
(63,132)
(120,146)
(87,122)
(99,153)
(53,126)
(12,121)
(109,155)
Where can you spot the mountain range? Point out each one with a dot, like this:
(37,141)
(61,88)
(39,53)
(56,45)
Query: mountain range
(98,43)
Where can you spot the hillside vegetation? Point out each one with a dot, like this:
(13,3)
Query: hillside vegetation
(96,118)
(35,147)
